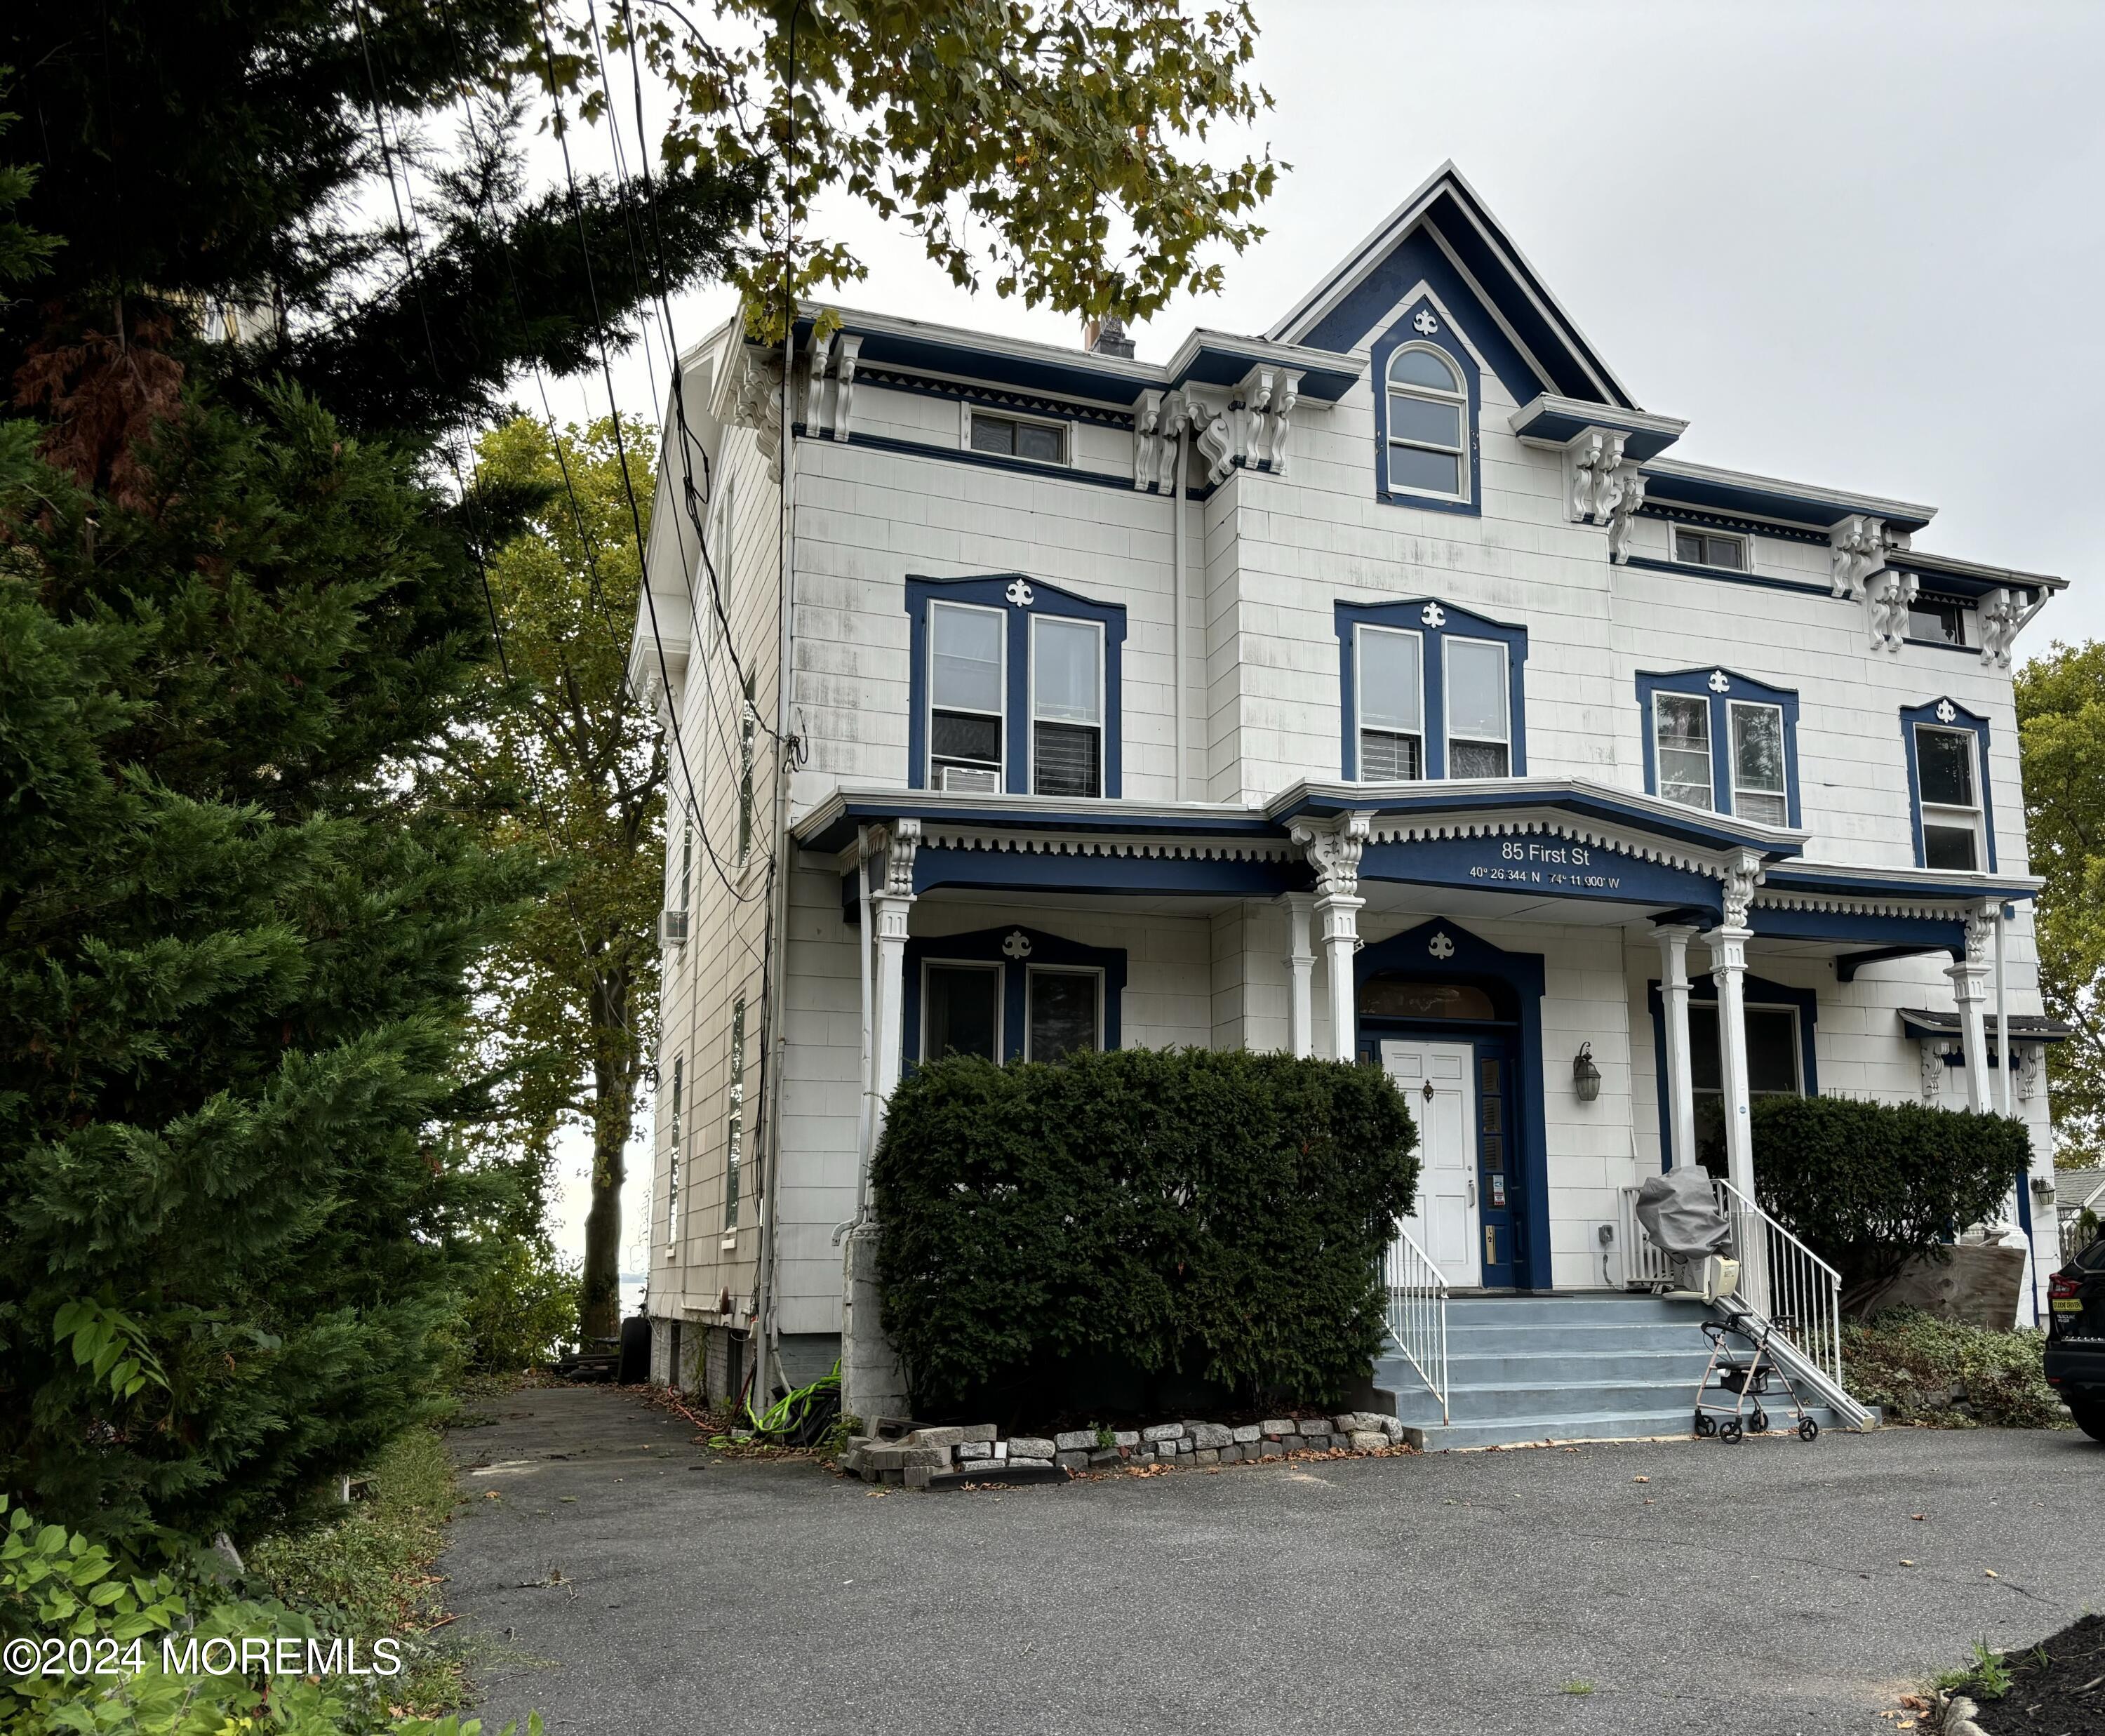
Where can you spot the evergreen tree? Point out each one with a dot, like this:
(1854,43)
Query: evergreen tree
(241,607)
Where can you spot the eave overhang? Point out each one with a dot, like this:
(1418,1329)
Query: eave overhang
(2029,1027)
(1548,420)
(1673,481)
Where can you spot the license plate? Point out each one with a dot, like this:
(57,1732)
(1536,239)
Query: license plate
(2068,1304)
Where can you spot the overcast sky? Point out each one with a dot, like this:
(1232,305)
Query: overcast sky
(1857,245)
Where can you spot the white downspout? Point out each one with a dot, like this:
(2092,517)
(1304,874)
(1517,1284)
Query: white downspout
(1178,580)
(869,1088)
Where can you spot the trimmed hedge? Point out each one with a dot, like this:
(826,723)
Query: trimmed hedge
(1220,1215)
(1867,1186)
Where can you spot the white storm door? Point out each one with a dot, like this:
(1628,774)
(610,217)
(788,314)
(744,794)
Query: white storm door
(1438,1082)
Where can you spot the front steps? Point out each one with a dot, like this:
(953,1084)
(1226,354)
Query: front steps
(1585,1366)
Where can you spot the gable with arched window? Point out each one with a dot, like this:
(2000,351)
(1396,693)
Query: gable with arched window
(1427,395)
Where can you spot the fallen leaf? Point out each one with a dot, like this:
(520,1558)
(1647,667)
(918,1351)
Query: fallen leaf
(1905,1562)
(1991,1573)
(1907,1723)
(1640,1479)
(1918,1516)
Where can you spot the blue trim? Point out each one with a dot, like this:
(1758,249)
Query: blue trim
(1561,426)
(1538,865)
(984,946)
(1410,616)
(1927,933)
(1414,260)
(1696,683)
(1961,718)
(1810,507)
(1757,991)
(1514,979)
(1036,870)
(1403,335)
(992,591)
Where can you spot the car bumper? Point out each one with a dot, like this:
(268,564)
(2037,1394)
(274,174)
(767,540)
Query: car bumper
(2076,1368)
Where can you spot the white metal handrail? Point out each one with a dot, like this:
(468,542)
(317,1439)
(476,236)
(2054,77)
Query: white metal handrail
(1783,1284)
(1418,1311)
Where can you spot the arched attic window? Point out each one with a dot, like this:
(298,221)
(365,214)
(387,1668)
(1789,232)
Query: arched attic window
(1428,411)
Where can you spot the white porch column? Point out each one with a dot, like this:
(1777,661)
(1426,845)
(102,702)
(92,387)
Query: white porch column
(1680,1083)
(889,909)
(1970,990)
(1728,944)
(1333,847)
(1300,976)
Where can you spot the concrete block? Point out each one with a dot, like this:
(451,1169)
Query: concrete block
(917,1476)
(1213,1436)
(1246,1432)
(1030,1446)
(1021,1465)
(886,1457)
(943,1437)
(1367,1440)
(1075,1440)
(1275,1427)
(1067,1461)
(1206,1455)
(1159,1432)
(1107,1456)
(978,1433)
(1125,1438)
(968,1451)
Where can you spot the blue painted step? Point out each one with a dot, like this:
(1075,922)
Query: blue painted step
(1586,1366)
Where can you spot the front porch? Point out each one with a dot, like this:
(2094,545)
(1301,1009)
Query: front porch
(1578,988)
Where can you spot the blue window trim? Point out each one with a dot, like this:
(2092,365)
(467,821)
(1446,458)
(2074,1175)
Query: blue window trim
(1961,718)
(1449,622)
(1402,334)
(1758,991)
(1697,683)
(992,591)
(988,945)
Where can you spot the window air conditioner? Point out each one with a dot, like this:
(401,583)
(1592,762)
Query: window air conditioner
(672,927)
(979,780)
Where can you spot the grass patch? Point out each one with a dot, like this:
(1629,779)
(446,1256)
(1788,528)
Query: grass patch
(1579,1687)
(367,1574)
(1919,1369)
(1987,1678)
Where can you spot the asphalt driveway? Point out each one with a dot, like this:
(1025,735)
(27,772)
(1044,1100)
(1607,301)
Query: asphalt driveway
(627,1579)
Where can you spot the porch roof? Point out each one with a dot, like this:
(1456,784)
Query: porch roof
(1925,1022)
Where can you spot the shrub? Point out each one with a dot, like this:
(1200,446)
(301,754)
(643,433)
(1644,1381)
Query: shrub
(523,1305)
(1919,1369)
(1869,1186)
(1221,1214)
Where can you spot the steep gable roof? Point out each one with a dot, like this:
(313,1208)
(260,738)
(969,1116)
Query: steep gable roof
(1444,235)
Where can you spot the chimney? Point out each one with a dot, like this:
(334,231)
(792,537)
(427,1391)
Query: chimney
(1106,336)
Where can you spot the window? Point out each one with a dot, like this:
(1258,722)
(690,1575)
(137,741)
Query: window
(1391,706)
(672,1182)
(1015,689)
(963,1011)
(1399,997)
(1681,726)
(1066,707)
(1060,1012)
(1710,549)
(1044,442)
(735,1129)
(1949,783)
(966,688)
(1942,620)
(1772,1069)
(1428,408)
(748,724)
(1479,726)
(686,860)
(1758,791)
(1721,742)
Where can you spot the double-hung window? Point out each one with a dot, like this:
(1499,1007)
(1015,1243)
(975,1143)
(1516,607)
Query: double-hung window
(1066,707)
(672,1177)
(967,681)
(1681,727)
(1772,1068)
(735,1122)
(1010,994)
(1479,719)
(1428,424)
(1758,789)
(1392,703)
(1064,1012)
(1721,742)
(1948,778)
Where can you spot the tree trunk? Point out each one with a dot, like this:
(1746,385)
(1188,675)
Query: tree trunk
(613,1109)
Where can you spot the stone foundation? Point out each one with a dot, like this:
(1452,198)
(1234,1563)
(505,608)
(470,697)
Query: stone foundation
(922,1458)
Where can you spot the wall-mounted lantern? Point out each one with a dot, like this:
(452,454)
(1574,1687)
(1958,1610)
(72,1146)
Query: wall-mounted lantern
(1586,1076)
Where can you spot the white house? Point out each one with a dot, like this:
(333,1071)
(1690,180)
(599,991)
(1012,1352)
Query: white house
(1384,685)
